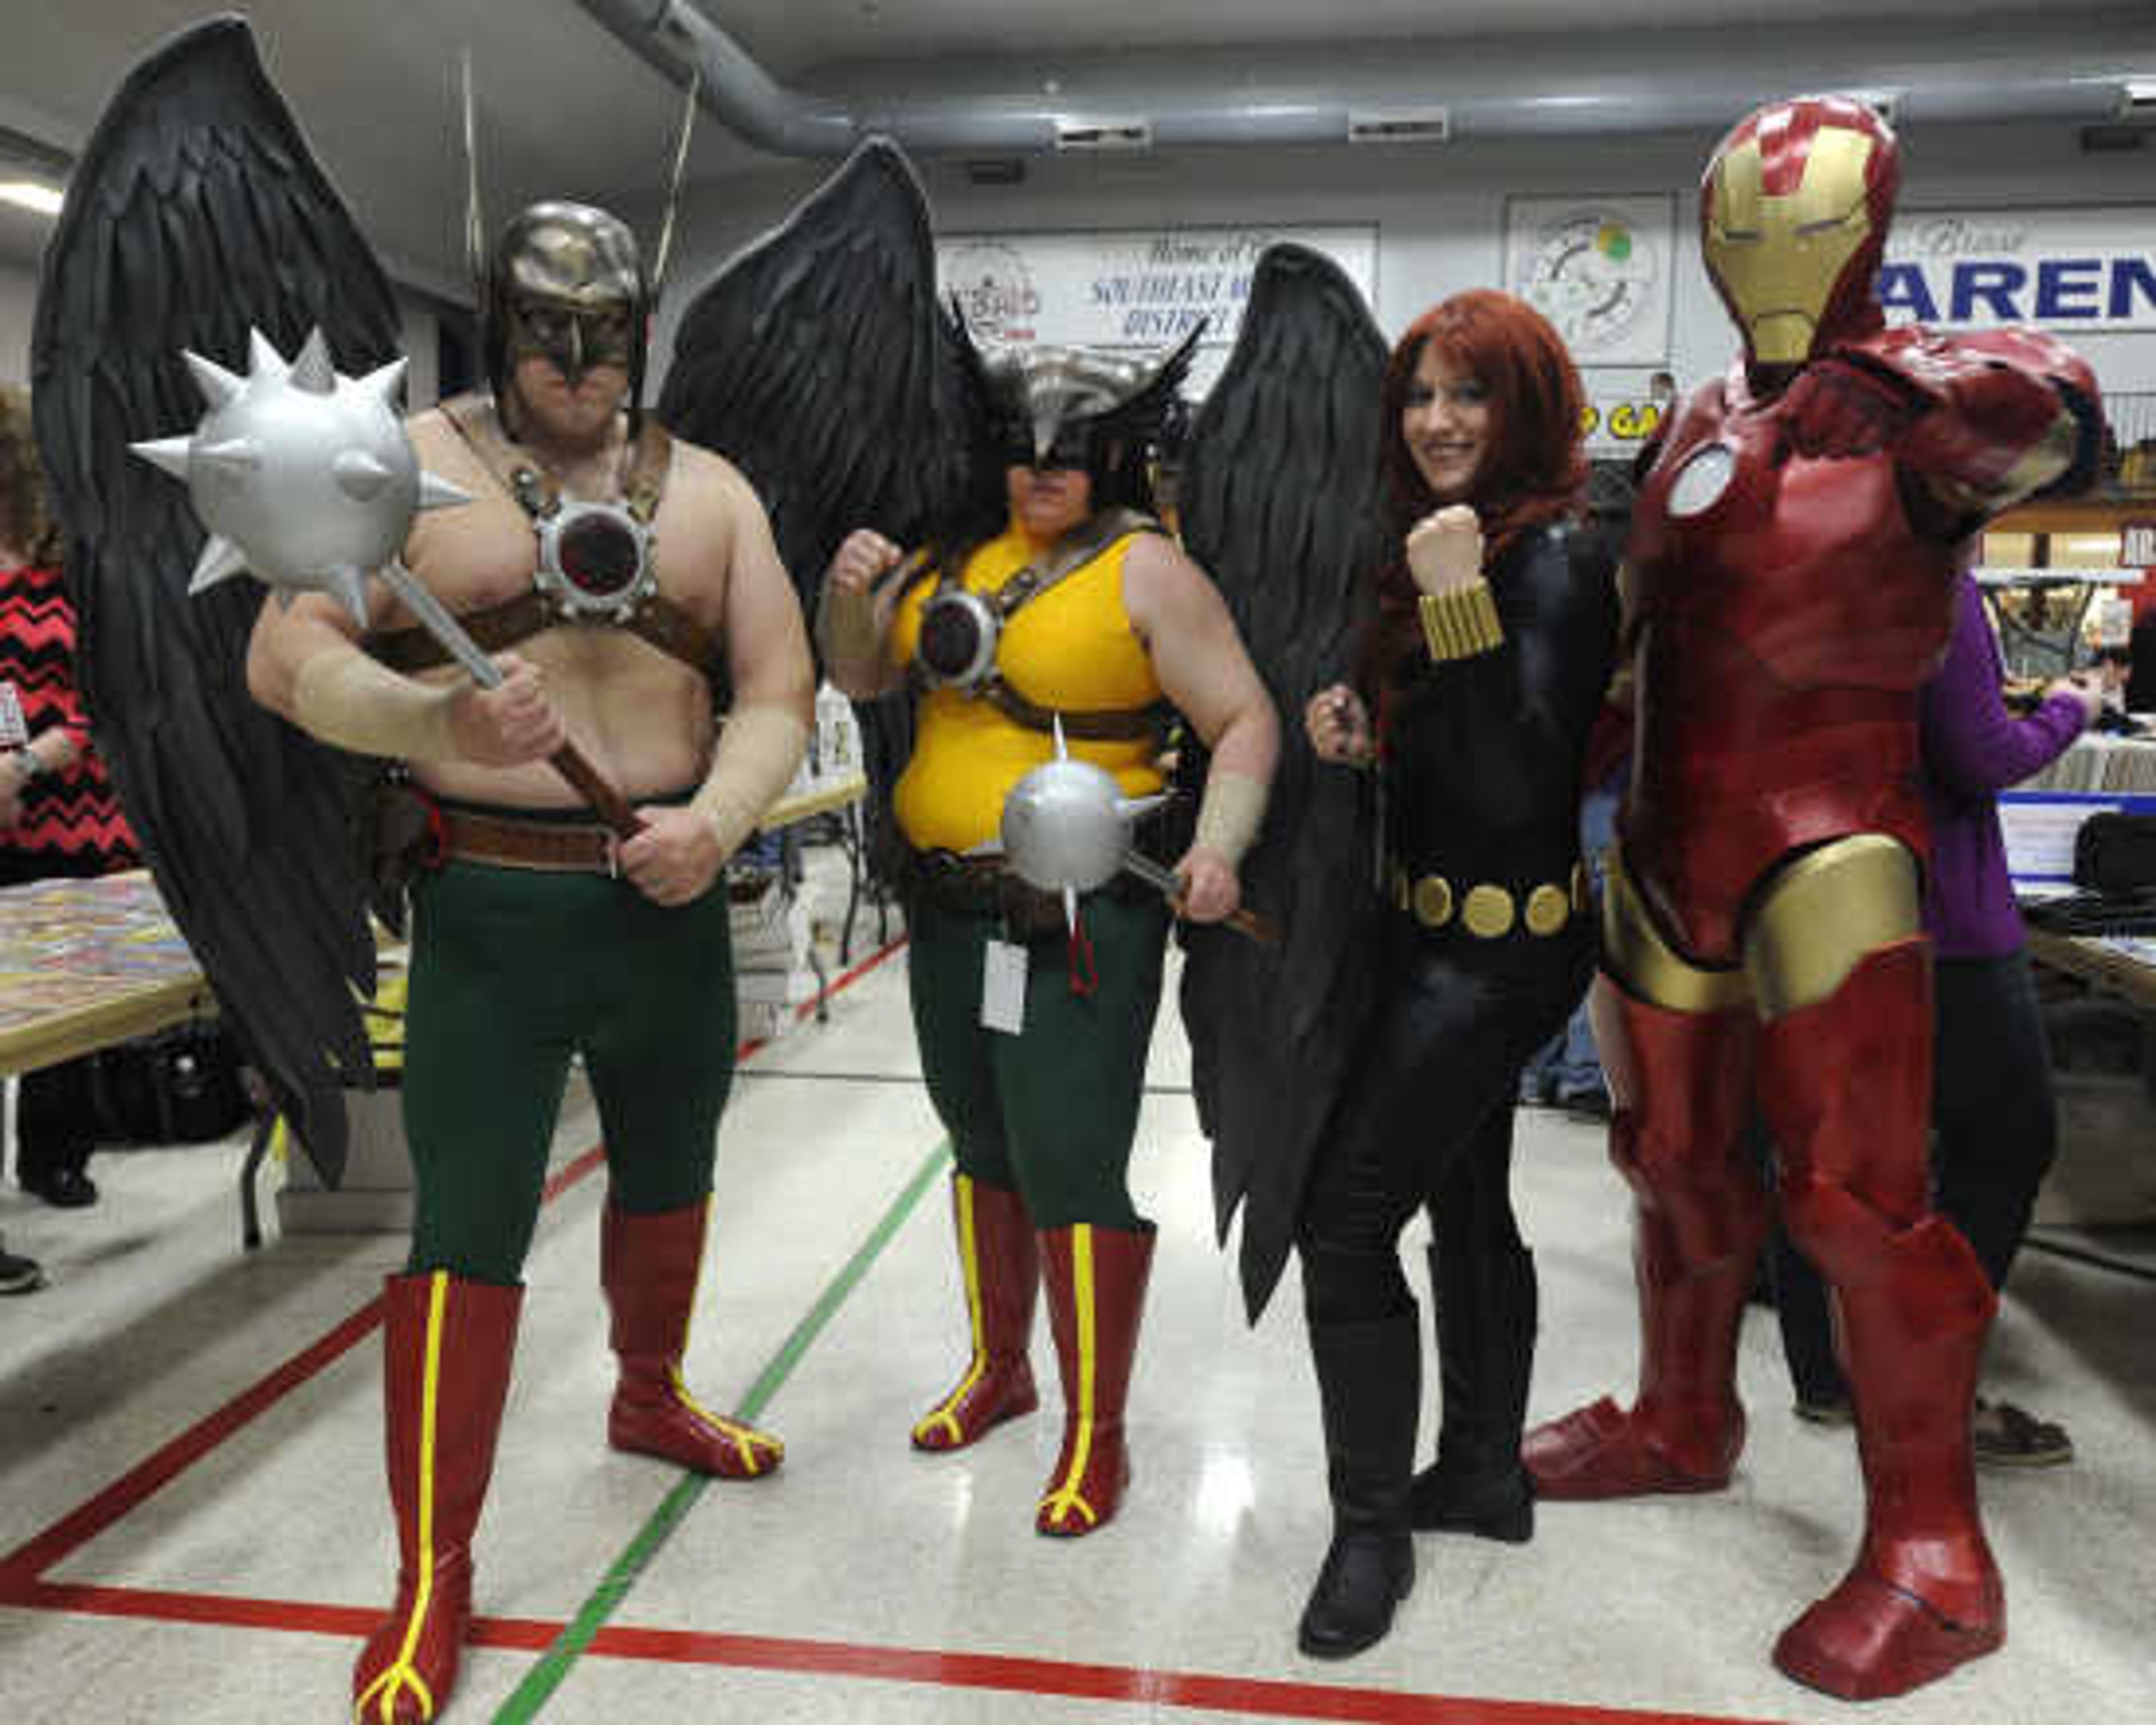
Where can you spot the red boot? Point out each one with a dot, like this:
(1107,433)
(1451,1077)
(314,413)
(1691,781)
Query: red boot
(1846,1086)
(1096,1284)
(447,1344)
(1924,1594)
(1681,1082)
(1002,1267)
(648,1266)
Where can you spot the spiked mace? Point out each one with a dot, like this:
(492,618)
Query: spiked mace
(306,479)
(1066,829)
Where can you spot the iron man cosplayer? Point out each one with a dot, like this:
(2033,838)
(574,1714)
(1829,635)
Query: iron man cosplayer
(1793,560)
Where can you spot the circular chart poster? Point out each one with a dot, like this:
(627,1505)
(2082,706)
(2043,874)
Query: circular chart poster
(1599,270)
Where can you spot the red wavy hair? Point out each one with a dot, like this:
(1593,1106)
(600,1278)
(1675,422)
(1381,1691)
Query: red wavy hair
(1534,465)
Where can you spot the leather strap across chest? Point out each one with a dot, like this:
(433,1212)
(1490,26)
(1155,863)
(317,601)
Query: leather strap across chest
(1069,555)
(657,620)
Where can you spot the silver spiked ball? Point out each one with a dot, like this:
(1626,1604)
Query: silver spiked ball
(301,475)
(1064,827)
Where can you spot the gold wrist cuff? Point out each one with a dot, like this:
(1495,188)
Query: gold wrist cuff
(1462,623)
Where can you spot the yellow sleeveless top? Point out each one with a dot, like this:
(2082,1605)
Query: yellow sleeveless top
(1072,649)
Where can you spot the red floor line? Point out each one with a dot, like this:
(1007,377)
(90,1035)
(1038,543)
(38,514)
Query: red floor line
(845,979)
(1256,1697)
(21,1568)
(1262,1697)
(79,1527)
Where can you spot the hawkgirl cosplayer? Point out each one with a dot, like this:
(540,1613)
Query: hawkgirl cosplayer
(631,572)
(1068,608)
(1793,561)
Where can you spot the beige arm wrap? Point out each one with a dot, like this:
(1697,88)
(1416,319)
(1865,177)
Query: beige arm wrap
(759,748)
(847,630)
(344,697)
(1230,814)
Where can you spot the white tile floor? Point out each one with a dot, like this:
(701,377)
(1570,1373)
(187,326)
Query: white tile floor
(866,1582)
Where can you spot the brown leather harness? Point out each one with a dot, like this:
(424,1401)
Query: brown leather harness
(641,484)
(1069,555)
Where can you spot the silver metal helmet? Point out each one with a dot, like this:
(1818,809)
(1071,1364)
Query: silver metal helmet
(1088,408)
(567,283)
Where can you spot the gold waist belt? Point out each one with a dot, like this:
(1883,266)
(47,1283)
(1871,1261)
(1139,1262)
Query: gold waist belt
(1486,910)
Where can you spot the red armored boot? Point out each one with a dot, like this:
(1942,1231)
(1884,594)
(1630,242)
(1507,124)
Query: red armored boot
(1846,1085)
(1097,1283)
(1679,1081)
(447,1344)
(1001,1265)
(648,1265)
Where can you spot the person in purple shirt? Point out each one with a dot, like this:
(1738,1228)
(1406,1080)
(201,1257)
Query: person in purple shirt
(1994,1118)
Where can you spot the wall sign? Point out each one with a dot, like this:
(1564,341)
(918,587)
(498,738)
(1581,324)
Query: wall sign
(1142,288)
(2089,268)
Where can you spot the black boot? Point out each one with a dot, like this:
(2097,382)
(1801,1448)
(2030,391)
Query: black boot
(1486,1317)
(1369,1382)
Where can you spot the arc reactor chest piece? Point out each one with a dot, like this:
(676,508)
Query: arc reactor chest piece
(595,559)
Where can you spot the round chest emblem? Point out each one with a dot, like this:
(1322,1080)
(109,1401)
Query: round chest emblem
(1704,477)
(599,554)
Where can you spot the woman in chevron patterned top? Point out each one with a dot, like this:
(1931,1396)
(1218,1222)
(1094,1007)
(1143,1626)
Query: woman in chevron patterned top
(58,813)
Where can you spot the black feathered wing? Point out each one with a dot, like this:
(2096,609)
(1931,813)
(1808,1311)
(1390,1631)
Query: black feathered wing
(820,362)
(196,214)
(1282,503)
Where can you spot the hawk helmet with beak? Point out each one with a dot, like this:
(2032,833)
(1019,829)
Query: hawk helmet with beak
(567,284)
(1102,414)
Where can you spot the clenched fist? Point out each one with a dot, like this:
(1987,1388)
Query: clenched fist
(514,722)
(1445,549)
(861,560)
(1338,725)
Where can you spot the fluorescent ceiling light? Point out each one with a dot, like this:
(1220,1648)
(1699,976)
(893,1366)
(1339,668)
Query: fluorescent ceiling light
(32,194)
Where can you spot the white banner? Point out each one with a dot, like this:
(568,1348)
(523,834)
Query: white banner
(1597,267)
(1142,288)
(2092,269)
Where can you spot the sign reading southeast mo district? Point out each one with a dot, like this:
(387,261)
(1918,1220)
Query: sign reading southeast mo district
(2090,269)
(1141,288)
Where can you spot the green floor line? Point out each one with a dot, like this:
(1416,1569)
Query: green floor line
(552,1667)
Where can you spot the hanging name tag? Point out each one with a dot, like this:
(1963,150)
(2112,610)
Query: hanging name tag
(1003,988)
(14,731)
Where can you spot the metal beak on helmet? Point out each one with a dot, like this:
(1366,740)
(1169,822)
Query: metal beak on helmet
(1047,422)
(573,361)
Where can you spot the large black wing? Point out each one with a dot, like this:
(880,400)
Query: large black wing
(195,213)
(1282,502)
(819,362)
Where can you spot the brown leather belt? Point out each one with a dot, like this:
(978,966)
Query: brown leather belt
(561,847)
(985,886)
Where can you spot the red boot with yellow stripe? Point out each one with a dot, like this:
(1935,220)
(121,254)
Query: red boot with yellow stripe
(1001,1264)
(446,1345)
(1095,1279)
(649,1264)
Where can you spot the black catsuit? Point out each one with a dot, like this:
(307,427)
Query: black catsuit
(1483,759)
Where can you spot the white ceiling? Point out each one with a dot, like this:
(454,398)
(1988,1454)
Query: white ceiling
(567,109)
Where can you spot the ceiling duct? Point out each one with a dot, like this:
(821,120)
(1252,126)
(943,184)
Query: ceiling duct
(19,151)
(1561,84)
(1421,126)
(1103,135)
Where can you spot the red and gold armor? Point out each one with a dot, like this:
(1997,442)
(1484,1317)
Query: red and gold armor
(1794,555)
